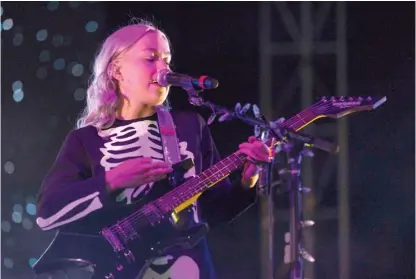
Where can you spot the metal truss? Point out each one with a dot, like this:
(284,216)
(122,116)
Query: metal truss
(305,34)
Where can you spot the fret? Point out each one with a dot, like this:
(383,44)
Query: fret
(236,160)
(214,169)
(227,166)
(209,179)
(203,175)
(222,164)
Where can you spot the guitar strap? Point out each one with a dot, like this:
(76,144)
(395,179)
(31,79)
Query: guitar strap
(170,141)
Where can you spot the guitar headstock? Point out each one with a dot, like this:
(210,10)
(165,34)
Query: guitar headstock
(339,106)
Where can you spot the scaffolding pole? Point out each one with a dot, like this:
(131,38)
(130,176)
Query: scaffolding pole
(304,28)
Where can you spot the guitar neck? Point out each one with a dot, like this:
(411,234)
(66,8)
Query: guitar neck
(220,170)
(200,183)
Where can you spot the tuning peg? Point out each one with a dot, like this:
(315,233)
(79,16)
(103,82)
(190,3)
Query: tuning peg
(256,111)
(245,108)
(306,255)
(257,131)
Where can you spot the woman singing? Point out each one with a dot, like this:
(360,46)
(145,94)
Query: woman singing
(115,155)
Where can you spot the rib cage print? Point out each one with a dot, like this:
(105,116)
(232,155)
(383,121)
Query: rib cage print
(137,139)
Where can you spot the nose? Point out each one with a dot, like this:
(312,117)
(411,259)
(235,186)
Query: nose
(161,65)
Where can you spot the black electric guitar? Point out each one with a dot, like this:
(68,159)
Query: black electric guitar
(123,245)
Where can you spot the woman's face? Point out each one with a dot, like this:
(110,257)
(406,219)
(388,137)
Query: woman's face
(136,70)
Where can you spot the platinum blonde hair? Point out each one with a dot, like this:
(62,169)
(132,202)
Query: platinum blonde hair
(102,95)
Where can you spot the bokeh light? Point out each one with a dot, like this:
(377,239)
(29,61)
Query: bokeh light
(6,226)
(79,94)
(8,263)
(18,39)
(17,217)
(42,35)
(44,56)
(57,40)
(52,5)
(27,223)
(17,85)
(9,167)
(59,64)
(18,95)
(18,208)
(8,24)
(91,26)
(31,208)
(77,70)
(32,261)
(41,73)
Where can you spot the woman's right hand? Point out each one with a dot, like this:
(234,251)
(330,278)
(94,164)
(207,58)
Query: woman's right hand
(136,172)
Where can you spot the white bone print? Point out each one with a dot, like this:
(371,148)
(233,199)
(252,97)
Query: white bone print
(183,268)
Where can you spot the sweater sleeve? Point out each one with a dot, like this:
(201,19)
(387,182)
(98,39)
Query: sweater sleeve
(69,192)
(228,199)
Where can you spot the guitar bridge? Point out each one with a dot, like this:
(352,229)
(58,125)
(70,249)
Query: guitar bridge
(119,234)
(153,213)
(112,237)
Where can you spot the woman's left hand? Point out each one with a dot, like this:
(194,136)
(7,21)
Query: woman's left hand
(257,152)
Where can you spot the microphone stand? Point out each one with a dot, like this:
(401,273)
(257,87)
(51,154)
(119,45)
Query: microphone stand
(291,175)
(265,193)
(292,144)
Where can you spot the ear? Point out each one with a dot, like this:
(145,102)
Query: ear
(114,71)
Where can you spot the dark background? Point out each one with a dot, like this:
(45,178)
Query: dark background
(221,39)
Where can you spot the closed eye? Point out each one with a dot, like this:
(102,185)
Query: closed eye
(168,62)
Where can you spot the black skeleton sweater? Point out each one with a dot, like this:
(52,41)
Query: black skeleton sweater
(74,188)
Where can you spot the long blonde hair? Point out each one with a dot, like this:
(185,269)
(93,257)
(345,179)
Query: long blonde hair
(102,94)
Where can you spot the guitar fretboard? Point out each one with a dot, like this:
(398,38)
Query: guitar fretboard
(200,182)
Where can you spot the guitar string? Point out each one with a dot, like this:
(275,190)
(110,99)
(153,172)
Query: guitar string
(135,217)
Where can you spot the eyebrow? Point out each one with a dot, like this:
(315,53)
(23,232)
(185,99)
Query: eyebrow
(155,50)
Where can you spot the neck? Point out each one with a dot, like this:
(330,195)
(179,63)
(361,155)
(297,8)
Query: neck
(127,111)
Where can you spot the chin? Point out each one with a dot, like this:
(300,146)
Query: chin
(159,97)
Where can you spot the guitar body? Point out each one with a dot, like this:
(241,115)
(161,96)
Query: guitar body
(97,249)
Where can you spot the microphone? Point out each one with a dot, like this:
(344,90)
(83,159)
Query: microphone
(168,78)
